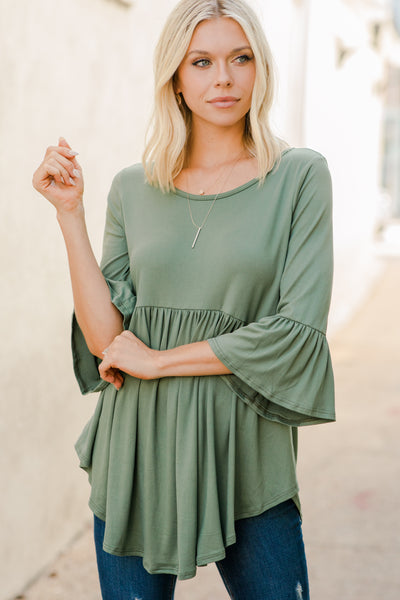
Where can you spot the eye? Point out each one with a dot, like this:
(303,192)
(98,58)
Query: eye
(243,58)
(202,62)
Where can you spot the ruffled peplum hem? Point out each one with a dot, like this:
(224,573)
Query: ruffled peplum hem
(170,461)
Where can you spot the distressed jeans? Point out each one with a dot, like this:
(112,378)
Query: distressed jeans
(267,562)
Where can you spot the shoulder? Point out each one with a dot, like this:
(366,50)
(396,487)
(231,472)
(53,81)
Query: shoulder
(127,184)
(299,166)
(312,182)
(301,157)
(131,175)
(302,154)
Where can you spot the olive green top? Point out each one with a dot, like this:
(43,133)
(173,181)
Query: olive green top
(173,462)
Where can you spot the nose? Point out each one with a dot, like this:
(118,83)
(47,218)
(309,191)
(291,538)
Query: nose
(223,76)
(224,83)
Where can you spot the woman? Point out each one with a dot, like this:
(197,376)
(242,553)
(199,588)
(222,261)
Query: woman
(204,327)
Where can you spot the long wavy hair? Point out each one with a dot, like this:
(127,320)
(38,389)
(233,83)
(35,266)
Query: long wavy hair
(170,126)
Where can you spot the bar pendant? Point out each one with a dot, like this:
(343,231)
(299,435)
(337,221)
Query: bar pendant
(197,235)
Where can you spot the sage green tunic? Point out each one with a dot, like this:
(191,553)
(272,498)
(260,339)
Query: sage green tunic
(173,462)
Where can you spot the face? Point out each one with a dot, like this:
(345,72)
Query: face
(216,77)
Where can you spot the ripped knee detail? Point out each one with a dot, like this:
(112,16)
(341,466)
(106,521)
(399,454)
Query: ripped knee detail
(299,591)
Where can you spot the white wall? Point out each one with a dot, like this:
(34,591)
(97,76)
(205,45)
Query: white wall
(343,120)
(336,110)
(81,69)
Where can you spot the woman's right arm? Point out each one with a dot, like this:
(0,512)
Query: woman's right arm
(59,179)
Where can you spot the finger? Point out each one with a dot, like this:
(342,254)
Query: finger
(54,173)
(103,367)
(67,163)
(107,375)
(113,376)
(63,142)
(128,334)
(77,171)
(57,170)
(67,152)
(119,380)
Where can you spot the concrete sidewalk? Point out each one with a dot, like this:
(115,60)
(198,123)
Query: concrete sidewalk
(349,476)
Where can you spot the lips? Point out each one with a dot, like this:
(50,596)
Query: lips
(224,101)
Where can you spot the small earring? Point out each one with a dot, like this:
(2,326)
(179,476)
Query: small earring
(179,99)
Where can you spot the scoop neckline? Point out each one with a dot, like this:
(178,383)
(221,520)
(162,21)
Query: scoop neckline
(235,190)
(231,192)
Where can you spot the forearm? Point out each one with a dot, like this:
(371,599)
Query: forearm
(98,318)
(191,359)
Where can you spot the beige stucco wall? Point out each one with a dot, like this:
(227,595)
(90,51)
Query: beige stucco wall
(82,69)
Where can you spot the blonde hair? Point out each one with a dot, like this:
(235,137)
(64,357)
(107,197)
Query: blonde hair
(170,125)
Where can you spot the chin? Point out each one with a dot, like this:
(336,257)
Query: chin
(229,120)
(224,116)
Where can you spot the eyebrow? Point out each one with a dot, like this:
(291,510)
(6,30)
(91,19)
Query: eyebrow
(234,51)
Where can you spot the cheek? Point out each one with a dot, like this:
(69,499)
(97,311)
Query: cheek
(194,88)
(180,78)
(249,80)
(248,93)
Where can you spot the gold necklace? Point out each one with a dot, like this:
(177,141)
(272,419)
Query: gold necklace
(200,227)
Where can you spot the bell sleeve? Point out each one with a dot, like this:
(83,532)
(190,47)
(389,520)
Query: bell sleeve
(116,270)
(281,364)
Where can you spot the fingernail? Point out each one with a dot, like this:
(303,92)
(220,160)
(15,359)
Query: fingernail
(76,173)
(73,153)
(72,182)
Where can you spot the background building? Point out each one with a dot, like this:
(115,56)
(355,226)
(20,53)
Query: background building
(334,62)
(83,69)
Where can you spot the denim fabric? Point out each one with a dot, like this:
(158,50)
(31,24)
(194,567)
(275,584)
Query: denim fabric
(125,578)
(267,562)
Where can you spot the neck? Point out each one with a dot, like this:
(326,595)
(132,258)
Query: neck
(210,146)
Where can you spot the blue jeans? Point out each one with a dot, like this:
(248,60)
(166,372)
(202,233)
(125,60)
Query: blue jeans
(267,562)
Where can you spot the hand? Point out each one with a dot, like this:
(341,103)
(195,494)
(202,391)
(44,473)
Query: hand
(59,178)
(130,355)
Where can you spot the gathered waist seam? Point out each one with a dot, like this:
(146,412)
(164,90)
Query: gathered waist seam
(193,310)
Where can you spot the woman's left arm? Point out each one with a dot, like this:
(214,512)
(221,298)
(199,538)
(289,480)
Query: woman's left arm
(129,354)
